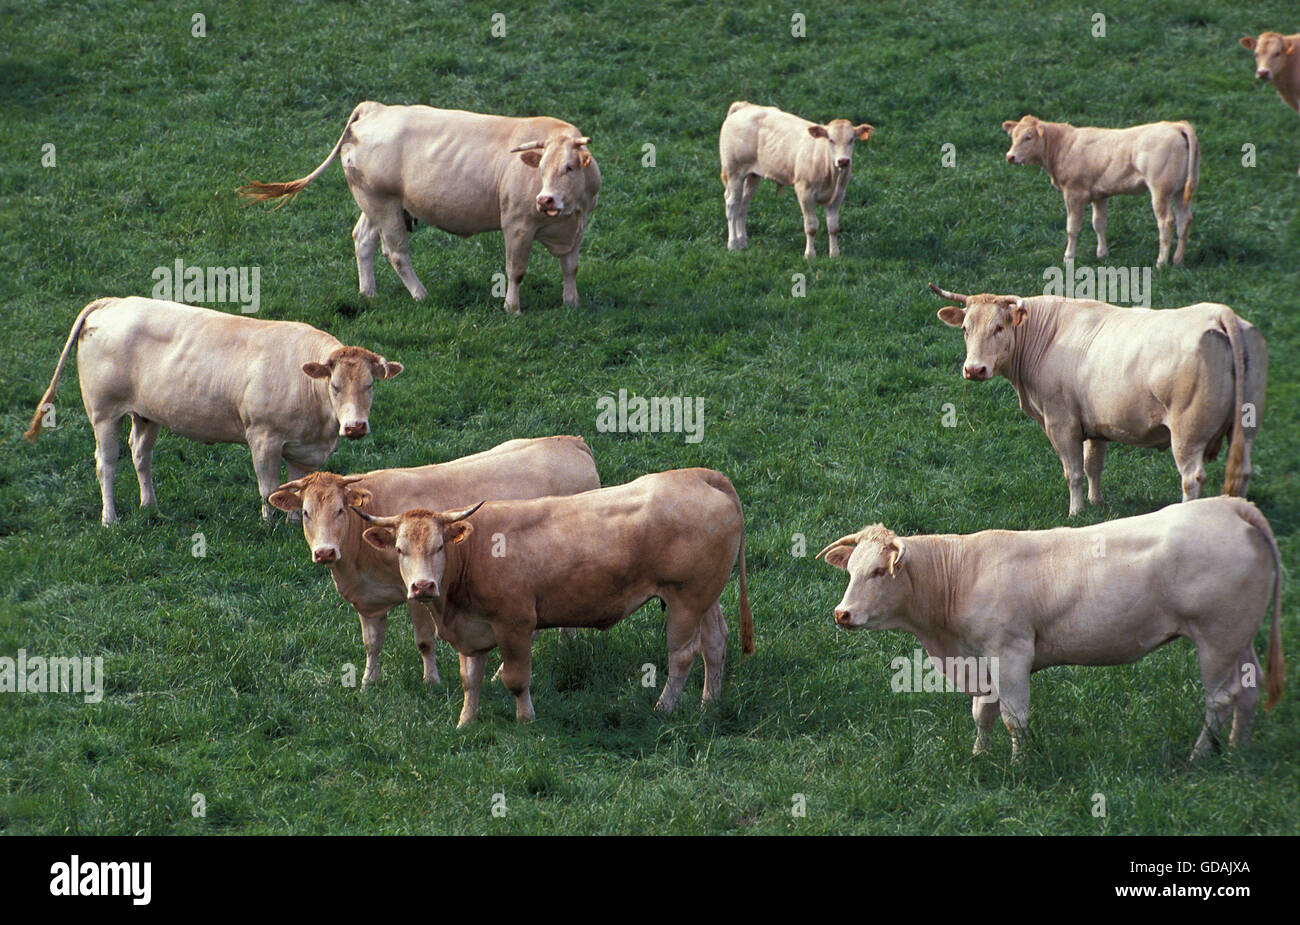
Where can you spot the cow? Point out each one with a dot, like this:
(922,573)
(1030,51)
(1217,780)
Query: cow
(1021,601)
(1089,373)
(466,173)
(284,388)
(368,578)
(586,560)
(1089,165)
(762,142)
(1276,61)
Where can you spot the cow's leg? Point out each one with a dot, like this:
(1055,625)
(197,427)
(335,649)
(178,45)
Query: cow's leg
(106,450)
(1073,222)
(1165,223)
(1099,225)
(1222,682)
(713,645)
(1068,443)
(984,710)
(372,634)
(1013,698)
(426,640)
(808,206)
(519,244)
(751,183)
(471,679)
(733,198)
(396,243)
(1183,222)
(144,433)
(1243,708)
(266,452)
(1189,456)
(683,645)
(365,239)
(833,226)
(517,670)
(1094,458)
(569,273)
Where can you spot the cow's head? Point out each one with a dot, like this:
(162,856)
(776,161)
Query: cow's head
(421,539)
(1026,140)
(987,321)
(878,587)
(840,135)
(1272,52)
(563,161)
(325,500)
(352,372)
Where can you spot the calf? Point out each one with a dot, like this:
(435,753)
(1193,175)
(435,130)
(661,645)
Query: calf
(286,389)
(588,560)
(1090,373)
(1276,61)
(1089,165)
(758,142)
(465,173)
(1101,595)
(368,578)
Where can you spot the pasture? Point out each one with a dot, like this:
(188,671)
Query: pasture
(223,673)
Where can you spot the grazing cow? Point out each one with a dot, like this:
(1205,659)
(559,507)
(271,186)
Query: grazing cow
(587,560)
(465,173)
(1101,595)
(758,142)
(368,578)
(286,389)
(1088,373)
(1277,62)
(1089,165)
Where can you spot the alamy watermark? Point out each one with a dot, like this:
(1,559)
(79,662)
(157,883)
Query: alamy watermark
(194,285)
(1116,285)
(640,414)
(40,675)
(921,673)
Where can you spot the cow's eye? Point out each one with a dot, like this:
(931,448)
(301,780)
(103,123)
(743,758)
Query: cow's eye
(998,329)
(878,572)
(305,515)
(339,512)
(334,388)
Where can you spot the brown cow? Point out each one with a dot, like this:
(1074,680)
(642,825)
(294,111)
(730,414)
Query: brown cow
(1276,61)
(588,560)
(368,578)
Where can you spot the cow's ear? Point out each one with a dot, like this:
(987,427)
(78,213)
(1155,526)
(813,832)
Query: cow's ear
(380,537)
(896,553)
(1009,126)
(532,157)
(358,497)
(387,370)
(1248,41)
(316,370)
(584,157)
(818,131)
(459,531)
(1018,313)
(285,500)
(838,553)
(952,315)
(864,131)
(1290,47)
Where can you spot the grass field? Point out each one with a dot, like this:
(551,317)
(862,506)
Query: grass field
(223,673)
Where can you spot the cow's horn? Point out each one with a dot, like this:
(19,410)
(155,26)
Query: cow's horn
(295,485)
(526,146)
(377,521)
(583,141)
(956,297)
(461,515)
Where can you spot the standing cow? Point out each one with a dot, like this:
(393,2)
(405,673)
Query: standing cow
(286,389)
(368,578)
(1089,165)
(587,560)
(1276,61)
(1090,373)
(1101,595)
(758,142)
(466,173)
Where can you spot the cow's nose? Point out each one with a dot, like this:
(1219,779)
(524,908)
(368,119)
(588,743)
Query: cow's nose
(423,589)
(546,203)
(978,373)
(356,430)
(842,617)
(842,163)
(325,554)
(1011,158)
(1262,73)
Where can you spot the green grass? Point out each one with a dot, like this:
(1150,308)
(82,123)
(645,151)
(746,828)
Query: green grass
(223,673)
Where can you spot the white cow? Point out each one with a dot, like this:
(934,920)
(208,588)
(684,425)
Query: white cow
(762,142)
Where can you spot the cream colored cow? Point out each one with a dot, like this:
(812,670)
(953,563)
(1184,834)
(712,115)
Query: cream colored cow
(286,389)
(1089,165)
(762,142)
(1277,61)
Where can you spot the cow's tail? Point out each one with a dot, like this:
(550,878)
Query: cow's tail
(256,191)
(39,417)
(1232,481)
(1275,665)
(723,484)
(1193,160)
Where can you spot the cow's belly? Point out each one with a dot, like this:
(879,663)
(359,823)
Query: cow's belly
(452,221)
(1109,645)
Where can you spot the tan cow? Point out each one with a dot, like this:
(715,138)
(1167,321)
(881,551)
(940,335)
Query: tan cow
(368,578)
(1089,373)
(1101,595)
(1089,165)
(286,389)
(1276,61)
(587,560)
(762,142)
(466,173)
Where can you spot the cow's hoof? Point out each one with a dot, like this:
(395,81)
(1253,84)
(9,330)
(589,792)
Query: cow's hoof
(368,293)
(1102,253)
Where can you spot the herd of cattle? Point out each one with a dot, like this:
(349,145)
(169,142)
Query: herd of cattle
(487,550)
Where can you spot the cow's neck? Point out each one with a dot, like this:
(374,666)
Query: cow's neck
(457,581)
(363,575)
(1056,139)
(1287,85)
(1031,342)
(932,567)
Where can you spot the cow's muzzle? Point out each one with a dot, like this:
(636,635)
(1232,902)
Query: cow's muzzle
(423,590)
(355,430)
(844,618)
(325,554)
(549,206)
(975,373)
(1264,73)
